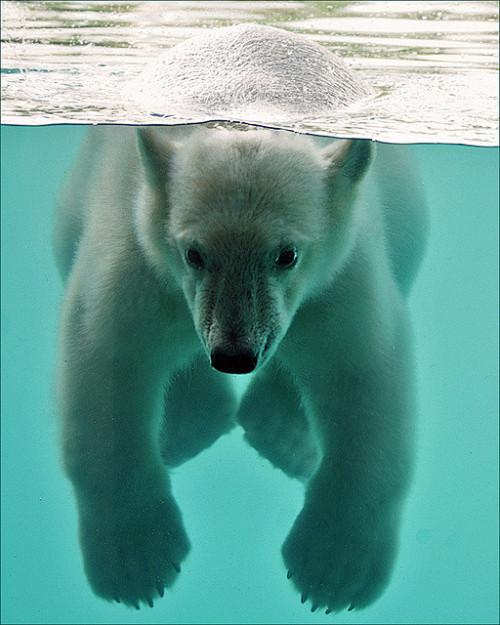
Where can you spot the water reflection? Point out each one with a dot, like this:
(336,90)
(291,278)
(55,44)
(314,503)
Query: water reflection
(434,65)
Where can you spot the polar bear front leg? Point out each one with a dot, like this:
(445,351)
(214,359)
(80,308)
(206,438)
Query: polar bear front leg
(110,394)
(341,549)
(275,424)
(200,405)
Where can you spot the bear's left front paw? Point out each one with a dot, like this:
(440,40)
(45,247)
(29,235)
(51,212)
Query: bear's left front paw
(339,560)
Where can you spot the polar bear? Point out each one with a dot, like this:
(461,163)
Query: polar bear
(248,72)
(188,256)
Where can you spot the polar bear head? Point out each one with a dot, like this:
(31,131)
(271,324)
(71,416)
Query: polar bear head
(249,224)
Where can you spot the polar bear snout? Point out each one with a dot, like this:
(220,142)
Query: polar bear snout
(233,360)
(236,348)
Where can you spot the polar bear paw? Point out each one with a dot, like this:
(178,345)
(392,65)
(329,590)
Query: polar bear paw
(340,562)
(134,557)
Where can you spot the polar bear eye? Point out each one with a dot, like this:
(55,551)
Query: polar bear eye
(287,258)
(194,258)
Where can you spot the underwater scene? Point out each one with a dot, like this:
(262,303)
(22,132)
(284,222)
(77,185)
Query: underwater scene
(301,276)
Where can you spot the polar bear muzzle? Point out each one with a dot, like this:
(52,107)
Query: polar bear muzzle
(231,360)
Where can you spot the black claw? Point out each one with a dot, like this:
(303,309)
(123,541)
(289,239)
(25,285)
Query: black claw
(160,590)
(150,602)
(304,596)
(351,607)
(328,610)
(314,608)
(137,606)
(176,566)
(289,575)
(115,598)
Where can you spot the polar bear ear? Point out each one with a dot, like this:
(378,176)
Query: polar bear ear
(349,158)
(156,152)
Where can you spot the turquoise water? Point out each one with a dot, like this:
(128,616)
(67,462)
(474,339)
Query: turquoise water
(238,509)
(434,70)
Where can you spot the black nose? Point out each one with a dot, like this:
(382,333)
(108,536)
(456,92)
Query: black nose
(241,361)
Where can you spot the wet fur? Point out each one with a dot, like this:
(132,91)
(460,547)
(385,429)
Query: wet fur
(332,399)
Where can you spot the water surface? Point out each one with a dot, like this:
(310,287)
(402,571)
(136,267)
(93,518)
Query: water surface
(433,65)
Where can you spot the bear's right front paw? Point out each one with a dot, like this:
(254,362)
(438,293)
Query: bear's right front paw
(133,557)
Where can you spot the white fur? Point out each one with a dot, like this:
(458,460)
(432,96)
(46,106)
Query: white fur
(332,396)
